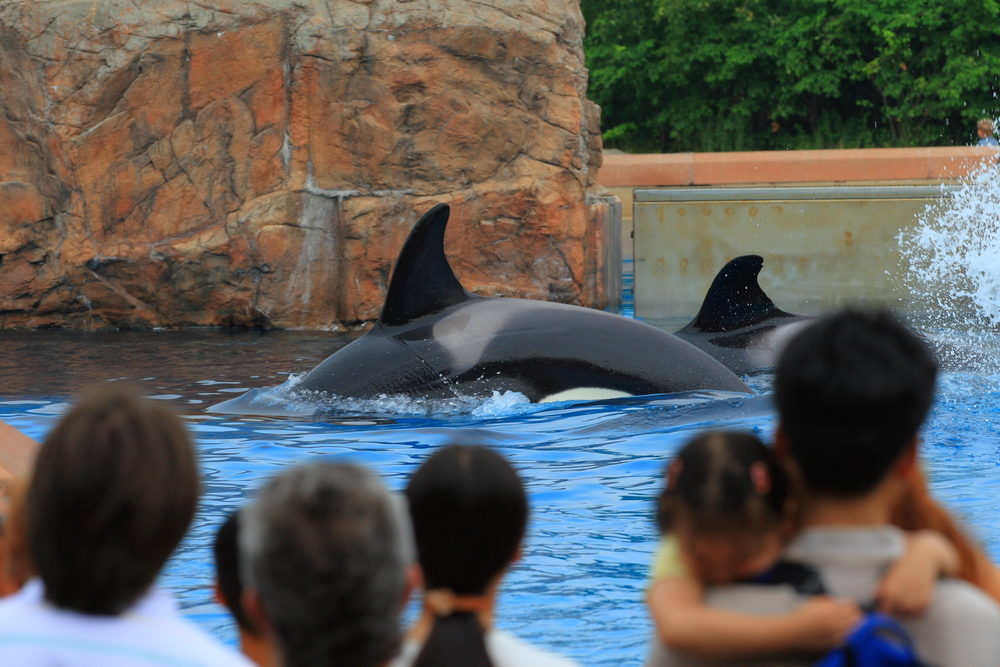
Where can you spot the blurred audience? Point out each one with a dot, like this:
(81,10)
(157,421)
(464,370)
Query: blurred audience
(984,128)
(113,491)
(325,558)
(852,390)
(15,563)
(17,451)
(469,513)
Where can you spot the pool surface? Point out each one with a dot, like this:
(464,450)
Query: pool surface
(592,470)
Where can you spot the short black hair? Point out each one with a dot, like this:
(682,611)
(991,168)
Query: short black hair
(469,512)
(227,568)
(113,491)
(852,390)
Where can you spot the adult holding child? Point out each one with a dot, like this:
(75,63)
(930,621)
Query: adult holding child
(113,490)
(852,391)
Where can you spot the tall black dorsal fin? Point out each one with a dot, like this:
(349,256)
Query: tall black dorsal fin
(735,299)
(423,282)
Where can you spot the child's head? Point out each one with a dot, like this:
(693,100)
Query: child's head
(725,502)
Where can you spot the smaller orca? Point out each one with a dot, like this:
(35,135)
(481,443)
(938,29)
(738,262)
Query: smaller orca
(738,324)
(434,339)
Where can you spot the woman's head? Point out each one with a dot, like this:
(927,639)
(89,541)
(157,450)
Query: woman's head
(114,488)
(469,513)
(726,502)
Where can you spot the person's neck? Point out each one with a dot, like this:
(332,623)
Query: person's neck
(422,629)
(870,510)
(259,649)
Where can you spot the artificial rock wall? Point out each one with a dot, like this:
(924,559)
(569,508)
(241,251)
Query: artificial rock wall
(168,163)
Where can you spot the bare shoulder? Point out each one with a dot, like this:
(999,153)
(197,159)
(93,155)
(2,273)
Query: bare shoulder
(17,451)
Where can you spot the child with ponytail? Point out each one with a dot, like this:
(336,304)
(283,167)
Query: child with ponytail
(469,513)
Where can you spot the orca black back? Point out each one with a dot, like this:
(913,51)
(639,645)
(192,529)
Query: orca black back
(423,281)
(735,300)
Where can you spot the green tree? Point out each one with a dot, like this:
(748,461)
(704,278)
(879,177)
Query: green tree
(710,75)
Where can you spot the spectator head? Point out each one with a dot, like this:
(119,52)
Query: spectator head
(469,512)
(325,552)
(113,490)
(727,502)
(985,127)
(852,390)
(255,643)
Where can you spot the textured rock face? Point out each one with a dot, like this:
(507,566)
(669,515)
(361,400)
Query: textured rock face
(167,163)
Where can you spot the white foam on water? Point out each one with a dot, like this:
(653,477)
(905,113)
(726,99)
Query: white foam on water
(287,400)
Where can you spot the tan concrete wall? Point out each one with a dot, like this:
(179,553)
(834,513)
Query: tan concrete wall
(822,248)
(620,170)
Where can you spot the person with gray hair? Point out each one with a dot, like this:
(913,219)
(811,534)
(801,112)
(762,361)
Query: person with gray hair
(325,556)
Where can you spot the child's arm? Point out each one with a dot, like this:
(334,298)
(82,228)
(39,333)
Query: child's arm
(907,589)
(685,623)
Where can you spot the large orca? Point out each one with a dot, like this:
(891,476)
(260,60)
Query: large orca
(738,324)
(434,339)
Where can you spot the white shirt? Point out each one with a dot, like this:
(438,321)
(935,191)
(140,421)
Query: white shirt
(34,633)
(504,649)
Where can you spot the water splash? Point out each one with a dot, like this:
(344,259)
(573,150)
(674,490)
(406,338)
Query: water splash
(954,255)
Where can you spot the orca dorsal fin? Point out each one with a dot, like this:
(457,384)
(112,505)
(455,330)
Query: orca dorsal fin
(422,281)
(735,299)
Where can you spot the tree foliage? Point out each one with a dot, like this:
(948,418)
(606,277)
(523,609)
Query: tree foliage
(714,75)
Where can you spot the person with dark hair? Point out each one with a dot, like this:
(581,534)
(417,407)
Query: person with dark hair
(229,592)
(113,491)
(469,513)
(325,555)
(852,390)
(726,513)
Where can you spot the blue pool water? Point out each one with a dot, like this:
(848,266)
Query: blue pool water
(592,469)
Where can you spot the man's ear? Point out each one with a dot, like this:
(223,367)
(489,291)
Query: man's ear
(414,582)
(256,614)
(217,595)
(907,462)
(781,445)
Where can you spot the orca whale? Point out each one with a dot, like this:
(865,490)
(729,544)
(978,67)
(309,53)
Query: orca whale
(435,339)
(738,324)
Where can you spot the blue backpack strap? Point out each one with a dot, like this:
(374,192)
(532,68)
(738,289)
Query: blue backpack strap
(878,641)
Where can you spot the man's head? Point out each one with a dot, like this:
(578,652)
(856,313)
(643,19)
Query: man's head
(852,390)
(985,127)
(325,549)
(114,488)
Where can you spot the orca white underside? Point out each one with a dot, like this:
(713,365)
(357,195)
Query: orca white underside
(584,394)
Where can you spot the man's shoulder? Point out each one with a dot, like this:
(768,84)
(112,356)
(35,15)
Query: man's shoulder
(961,627)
